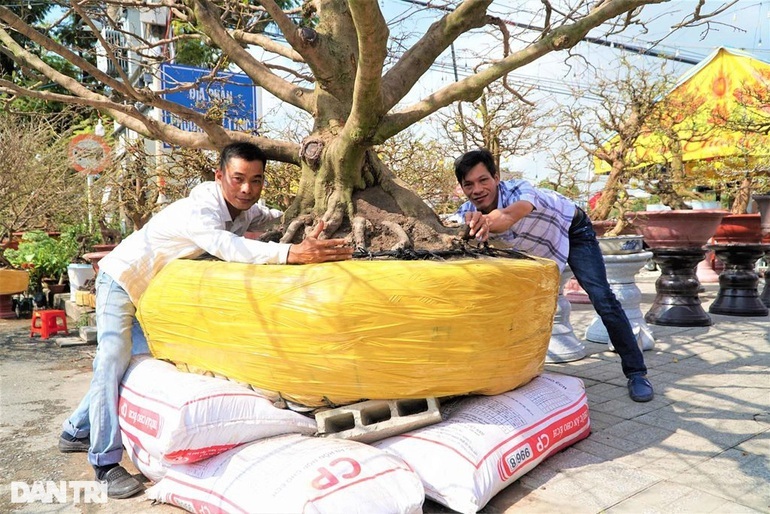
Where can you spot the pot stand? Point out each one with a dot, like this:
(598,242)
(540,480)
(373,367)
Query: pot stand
(564,345)
(738,282)
(621,270)
(677,303)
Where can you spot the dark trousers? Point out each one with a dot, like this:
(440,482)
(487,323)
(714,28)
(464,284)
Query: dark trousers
(586,262)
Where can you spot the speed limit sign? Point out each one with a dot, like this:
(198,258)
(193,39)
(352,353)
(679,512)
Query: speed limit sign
(89,154)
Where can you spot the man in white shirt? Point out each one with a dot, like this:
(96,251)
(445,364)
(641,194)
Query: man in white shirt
(211,220)
(544,223)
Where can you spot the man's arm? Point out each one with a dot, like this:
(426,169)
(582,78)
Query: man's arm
(498,220)
(205,233)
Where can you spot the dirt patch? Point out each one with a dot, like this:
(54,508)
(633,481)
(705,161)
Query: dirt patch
(381,210)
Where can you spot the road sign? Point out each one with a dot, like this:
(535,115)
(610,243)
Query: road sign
(234,93)
(88,153)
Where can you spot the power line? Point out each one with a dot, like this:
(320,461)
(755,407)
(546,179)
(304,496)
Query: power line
(594,40)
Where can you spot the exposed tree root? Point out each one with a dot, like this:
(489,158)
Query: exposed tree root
(360,228)
(293,227)
(404,241)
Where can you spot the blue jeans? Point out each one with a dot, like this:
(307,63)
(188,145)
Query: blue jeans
(587,264)
(118,335)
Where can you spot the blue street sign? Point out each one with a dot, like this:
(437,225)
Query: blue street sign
(234,93)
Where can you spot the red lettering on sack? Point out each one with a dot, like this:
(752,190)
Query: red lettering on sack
(194,505)
(325,480)
(196,454)
(146,420)
(541,443)
(347,469)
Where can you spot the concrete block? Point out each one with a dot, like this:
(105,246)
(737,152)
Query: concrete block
(88,334)
(64,342)
(75,312)
(373,420)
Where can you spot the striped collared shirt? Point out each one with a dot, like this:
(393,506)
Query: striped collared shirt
(187,229)
(545,231)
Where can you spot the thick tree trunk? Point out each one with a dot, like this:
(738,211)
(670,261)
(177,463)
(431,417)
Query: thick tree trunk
(742,197)
(348,186)
(610,192)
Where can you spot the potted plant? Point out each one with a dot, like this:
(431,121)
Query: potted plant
(46,258)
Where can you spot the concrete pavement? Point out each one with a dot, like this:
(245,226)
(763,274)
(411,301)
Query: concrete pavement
(702,445)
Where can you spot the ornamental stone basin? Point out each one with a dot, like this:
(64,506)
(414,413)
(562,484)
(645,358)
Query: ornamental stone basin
(677,228)
(739,228)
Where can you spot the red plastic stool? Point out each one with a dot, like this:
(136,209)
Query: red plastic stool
(48,322)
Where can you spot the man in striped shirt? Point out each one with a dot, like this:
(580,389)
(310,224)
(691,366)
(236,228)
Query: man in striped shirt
(546,224)
(211,220)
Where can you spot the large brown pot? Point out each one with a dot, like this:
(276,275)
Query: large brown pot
(677,228)
(739,228)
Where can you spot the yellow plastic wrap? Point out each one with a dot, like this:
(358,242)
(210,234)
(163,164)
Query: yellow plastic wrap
(336,333)
(13,281)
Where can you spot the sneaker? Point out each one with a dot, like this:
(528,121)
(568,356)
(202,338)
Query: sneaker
(70,444)
(120,483)
(640,389)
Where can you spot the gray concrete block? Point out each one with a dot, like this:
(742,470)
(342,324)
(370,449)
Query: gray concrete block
(64,342)
(88,334)
(374,420)
(77,313)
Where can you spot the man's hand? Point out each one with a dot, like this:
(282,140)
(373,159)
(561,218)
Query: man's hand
(497,221)
(478,224)
(313,249)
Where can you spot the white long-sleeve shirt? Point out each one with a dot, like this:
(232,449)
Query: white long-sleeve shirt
(187,229)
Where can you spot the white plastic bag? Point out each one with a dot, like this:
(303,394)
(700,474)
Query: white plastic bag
(178,417)
(149,466)
(486,443)
(294,474)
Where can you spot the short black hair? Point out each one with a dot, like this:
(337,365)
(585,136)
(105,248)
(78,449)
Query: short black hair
(468,160)
(242,150)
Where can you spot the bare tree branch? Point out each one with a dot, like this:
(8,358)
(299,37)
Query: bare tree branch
(471,87)
(267,44)
(287,92)
(22,28)
(418,59)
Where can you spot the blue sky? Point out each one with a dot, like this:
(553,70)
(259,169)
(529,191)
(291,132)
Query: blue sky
(744,26)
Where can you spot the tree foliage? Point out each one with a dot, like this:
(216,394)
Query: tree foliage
(504,123)
(38,189)
(339,61)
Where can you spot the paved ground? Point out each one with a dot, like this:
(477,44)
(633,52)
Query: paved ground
(703,444)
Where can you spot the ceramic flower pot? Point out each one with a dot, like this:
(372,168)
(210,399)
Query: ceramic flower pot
(739,228)
(94,258)
(677,228)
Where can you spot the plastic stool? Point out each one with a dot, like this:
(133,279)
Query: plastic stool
(48,322)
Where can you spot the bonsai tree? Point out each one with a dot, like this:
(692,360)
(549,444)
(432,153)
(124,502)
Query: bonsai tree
(341,63)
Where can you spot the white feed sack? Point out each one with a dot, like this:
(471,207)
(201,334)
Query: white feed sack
(149,466)
(486,443)
(171,417)
(294,474)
